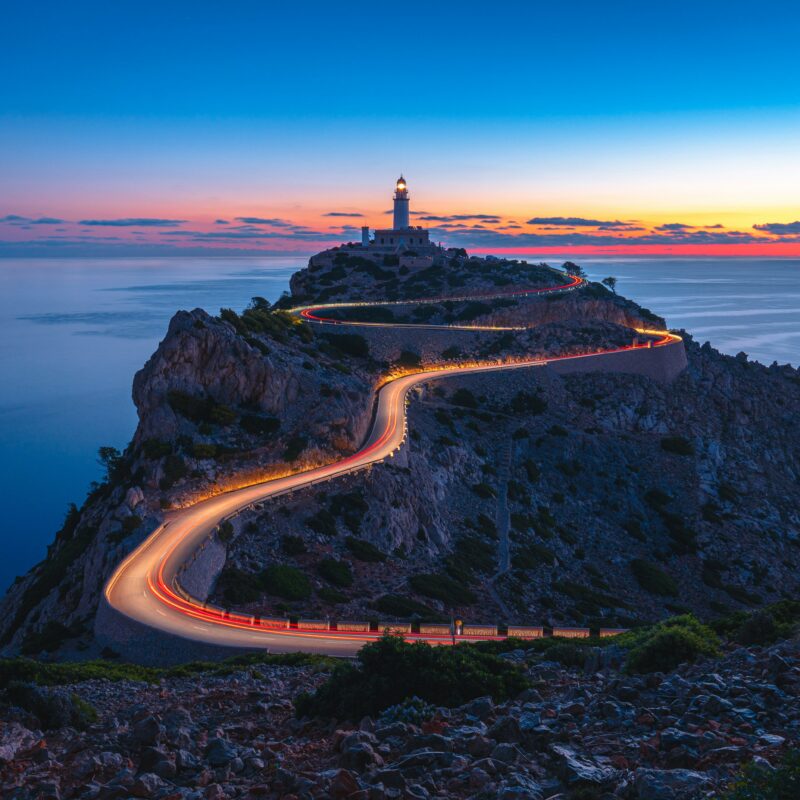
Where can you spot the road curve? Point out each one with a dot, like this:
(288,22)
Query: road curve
(145,587)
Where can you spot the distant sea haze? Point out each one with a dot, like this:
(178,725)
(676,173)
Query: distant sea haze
(74,332)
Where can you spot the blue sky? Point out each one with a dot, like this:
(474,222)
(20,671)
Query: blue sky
(662,113)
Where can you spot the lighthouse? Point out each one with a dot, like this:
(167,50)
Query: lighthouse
(400,205)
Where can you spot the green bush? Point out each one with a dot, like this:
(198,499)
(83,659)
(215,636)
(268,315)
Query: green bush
(442,587)
(337,572)
(259,426)
(679,445)
(653,579)
(389,671)
(532,555)
(239,587)
(294,447)
(364,550)
(528,403)
(286,582)
(322,522)
(760,782)
(408,358)
(331,596)
(27,670)
(200,409)
(662,647)
(483,490)
(404,608)
(353,344)
(464,398)
(293,545)
(53,709)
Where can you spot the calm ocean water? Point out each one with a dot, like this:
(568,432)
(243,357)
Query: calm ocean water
(73,332)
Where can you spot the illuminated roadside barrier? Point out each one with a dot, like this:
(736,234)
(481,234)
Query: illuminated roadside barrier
(271,622)
(524,632)
(434,629)
(572,633)
(313,625)
(394,627)
(479,630)
(353,627)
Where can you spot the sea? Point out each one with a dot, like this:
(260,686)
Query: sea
(74,331)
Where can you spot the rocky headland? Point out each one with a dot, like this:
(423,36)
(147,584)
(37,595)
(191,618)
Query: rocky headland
(598,499)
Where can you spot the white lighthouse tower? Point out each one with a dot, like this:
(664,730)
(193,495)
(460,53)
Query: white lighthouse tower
(400,205)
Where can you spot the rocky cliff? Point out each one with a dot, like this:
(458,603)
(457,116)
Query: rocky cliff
(524,496)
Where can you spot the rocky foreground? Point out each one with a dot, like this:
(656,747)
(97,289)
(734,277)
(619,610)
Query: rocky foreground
(580,732)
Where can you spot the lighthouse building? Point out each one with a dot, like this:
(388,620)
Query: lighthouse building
(403,244)
(401,236)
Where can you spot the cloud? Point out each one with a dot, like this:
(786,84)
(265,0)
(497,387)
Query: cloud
(13,218)
(297,233)
(221,222)
(461,217)
(779,228)
(578,222)
(275,223)
(47,221)
(674,226)
(342,214)
(134,222)
(487,238)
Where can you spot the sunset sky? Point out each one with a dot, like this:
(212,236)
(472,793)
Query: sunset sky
(154,128)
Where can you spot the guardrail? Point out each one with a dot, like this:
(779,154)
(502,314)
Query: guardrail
(412,630)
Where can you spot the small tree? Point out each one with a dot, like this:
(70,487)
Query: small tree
(573,269)
(611,282)
(111,460)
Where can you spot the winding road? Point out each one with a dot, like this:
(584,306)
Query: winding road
(146,586)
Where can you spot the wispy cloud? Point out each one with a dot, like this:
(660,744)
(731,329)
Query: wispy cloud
(133,222)
(779,228)
(342,214)
(221,222)
(578,222)
(460,217)
(275,223)
(675,226)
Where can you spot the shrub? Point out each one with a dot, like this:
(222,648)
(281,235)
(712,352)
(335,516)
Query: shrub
(762,782)
(337,572)
(294,447)
(465,398)
(200,409)
(260,426)
(155,449)
(286,582)
(293,545)
(394,605)
(442,587)
(412,711)
(390,670)
(322,522)
(364,550)
(664,646)
(53,709)
(679,445)
(533,555)
(528,403)
(239,587)
(656,498)
(408,358)
(331,596)
(202,450)
(653,579)
(483,490)
(352,344)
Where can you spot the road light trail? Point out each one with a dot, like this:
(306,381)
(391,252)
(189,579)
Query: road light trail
(145,587)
